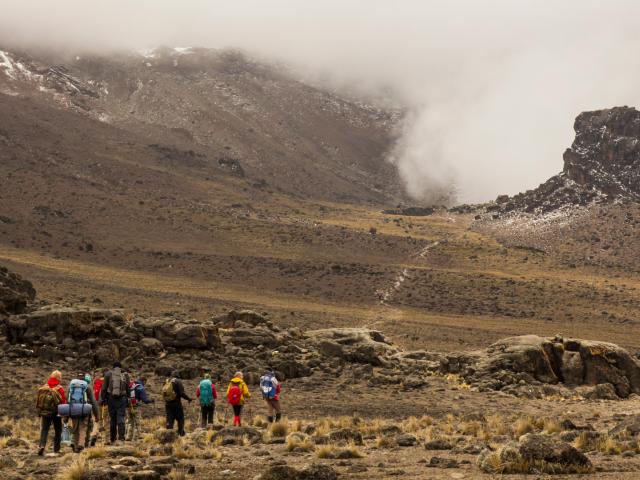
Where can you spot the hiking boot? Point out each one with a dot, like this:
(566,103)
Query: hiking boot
(41,451)
(93,442)
(270,419)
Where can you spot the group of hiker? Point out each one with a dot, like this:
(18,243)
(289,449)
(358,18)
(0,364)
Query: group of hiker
(88,402)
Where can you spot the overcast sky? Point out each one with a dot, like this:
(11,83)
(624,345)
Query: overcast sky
(492,86)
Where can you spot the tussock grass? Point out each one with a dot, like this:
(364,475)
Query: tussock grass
(95,452)
(77,470)
(279,429)
(260,421)
(295,444)
(414,424)
(506,460)
(523,425)
(551,425)
(383,441)
(177,474)
(333,451)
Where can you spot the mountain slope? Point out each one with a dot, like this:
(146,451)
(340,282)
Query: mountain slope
(284,134)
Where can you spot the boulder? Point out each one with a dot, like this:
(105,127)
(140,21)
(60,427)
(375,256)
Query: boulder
(230,319)
(179,332)
(406,440)
(317,471)
(520,365)
(234,435)
(165,436)
(342,435)
(356,345)
(535,453)
(628,427)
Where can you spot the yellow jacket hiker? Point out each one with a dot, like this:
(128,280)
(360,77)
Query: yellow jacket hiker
(237,394)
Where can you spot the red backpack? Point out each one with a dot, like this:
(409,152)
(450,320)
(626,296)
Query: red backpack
(234,397)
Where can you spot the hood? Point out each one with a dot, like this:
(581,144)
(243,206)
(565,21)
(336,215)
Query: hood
(236,380)
(53,382)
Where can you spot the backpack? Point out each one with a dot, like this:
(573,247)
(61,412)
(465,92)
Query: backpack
(235,394)
(169,391)
(47,400)
(268,384)
(97,387)
(117,385)
(206,392)
(78,392)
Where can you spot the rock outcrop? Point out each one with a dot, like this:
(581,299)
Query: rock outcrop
(528,365)
(15,293)
(602,164)
(535,453)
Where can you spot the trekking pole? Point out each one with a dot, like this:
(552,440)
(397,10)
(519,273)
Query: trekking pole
(226,413)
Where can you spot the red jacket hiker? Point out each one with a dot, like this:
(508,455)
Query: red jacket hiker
(97,387)
(53,383)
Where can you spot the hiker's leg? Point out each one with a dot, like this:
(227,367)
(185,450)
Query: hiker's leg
(83,426)
(113,419)
(203,416)
(136,423)
(75,433)
(275,404)
(212,410)
(180,419)
(88,430)
(57,432)
(45,424)
(122,413)
(269,410)
(236,414)
(170,415)
(129,423)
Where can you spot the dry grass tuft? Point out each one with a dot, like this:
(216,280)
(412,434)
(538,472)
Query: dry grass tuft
(260,421)
(295,444)
(383,441)
(279,429)
(177,474)
(551,425)
(77,470)
(523,425)
(95,452)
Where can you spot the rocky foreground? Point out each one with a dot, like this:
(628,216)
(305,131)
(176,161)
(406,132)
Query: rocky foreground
(525,404)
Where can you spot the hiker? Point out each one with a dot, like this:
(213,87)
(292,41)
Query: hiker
(104,411)
(82,404)
(207,394)
(48,398)
(115,394)
(137,396)
(237,394)
(270,387)
(173,393)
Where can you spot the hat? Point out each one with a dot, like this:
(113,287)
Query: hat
(238,374)
(88,378)
(57,375)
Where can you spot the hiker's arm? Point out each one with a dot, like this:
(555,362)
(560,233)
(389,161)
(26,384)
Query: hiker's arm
(198,392)
(245,389)
(182,393)
(215,392)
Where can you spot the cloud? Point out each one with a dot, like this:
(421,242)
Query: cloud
(491,87)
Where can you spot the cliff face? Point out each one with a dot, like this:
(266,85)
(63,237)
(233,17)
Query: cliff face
(602,165)
(606,152)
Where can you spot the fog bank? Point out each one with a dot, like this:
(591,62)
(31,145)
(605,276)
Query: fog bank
(491,87)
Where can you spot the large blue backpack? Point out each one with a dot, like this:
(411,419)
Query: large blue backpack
(268,386)
(78,392)
(206,392)
(77,405)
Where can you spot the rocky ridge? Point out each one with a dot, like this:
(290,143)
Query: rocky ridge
(601,166)
(527,365)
